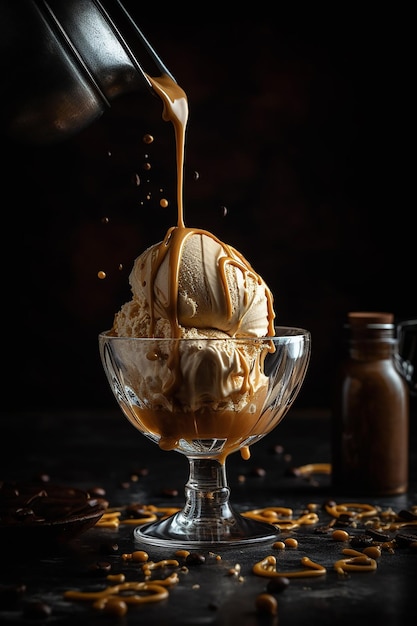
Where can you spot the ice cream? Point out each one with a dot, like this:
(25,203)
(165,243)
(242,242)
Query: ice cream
(190,285)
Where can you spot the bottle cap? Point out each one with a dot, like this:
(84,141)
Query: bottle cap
(370,325)
(364,318)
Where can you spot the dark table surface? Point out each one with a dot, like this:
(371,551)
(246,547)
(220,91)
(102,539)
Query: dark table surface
(87,449)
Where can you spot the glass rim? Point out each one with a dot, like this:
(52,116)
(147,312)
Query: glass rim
(282,332)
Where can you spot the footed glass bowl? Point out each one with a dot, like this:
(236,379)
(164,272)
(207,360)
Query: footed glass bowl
(206,398)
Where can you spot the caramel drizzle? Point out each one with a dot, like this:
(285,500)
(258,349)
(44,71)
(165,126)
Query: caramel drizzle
(173,244)
(112,517)
(134,592)
(281,517)
(267,568)
(175,110)
(358,510)
(355,562)
(144,592)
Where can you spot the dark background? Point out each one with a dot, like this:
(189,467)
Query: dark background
(299,125)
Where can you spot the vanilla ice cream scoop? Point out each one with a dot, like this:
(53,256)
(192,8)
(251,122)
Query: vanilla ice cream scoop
(191,282)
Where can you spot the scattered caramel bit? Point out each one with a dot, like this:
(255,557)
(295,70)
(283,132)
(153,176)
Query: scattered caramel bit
(151,565)
(356,562)
(291,542)
(311,468)
(163,203)
(115,607)
(182,554)
(279,545)
(149,592)
(140,556)
(116,578)
(352,510)
(374,552)
(234,571)
(271,516)
(101,275)
(267,568)
(340,535)
(110,519)
(135,515)
(266,603)
(147,138)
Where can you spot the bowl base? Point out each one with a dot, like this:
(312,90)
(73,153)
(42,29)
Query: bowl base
(205,533)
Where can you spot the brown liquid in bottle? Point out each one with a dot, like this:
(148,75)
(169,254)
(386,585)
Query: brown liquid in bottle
(370,444)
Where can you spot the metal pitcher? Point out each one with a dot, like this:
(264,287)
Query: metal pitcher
(64,61)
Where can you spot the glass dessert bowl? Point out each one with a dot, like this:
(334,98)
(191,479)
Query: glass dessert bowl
(206,398)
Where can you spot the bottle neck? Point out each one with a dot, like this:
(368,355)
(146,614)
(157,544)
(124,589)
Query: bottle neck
(371,341)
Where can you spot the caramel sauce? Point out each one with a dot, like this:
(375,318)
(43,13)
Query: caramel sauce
(114,598)
(175,110)
(267,568)
(282,517)
(355,562)
(232,423)
(232,427)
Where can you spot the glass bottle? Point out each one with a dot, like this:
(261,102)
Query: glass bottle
(370,440)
